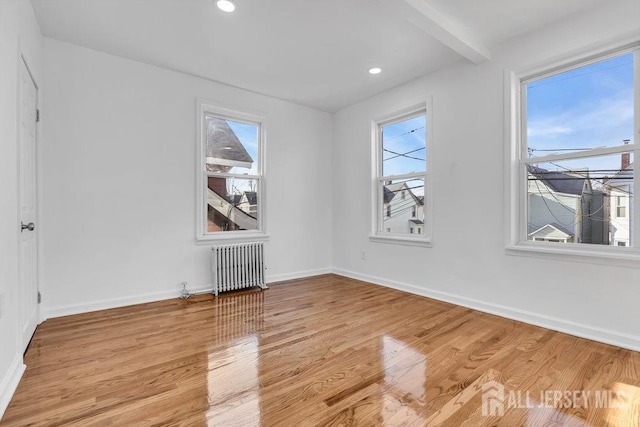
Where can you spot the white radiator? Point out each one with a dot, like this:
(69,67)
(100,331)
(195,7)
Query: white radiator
(237,266)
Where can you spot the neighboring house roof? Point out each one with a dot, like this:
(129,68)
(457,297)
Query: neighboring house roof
(553,230)
(252,197)
(232,213)
(388,194)
(391,190)
(223,146)
(560,182)
(235,198)
(622,175)
(416,221)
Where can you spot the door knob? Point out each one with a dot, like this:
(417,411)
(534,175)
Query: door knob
(31,226)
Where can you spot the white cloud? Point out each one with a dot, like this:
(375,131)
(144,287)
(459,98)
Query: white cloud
(595,118)
(548,129)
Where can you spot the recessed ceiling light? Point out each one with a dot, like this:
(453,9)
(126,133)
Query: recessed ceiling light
(226,5)
(375,70)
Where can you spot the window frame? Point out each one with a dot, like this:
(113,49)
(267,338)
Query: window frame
(378,232)
(204,108)
(515,185)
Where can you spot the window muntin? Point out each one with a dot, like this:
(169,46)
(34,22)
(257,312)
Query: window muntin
(402,174)
(231,179)
(576,152)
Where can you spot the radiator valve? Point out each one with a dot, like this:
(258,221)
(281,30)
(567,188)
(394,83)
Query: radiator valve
(185,293)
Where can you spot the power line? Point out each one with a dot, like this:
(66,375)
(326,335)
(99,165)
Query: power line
(406,208)
(574,212)
(543,83)
(402,134)
(404,154)
(601,180)
(550,211)
(401,155)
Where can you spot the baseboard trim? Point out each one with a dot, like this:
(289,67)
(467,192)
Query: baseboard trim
(298,275)
(593,333)
(87,307)
(109,303)
(10,383)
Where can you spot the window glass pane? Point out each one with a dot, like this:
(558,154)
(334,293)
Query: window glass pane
(585,200)
(403,215)
(581,109)
(232,204)
(232,147)
(404,146)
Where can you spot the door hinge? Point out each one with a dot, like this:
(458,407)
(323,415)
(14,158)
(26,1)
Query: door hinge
(37,115)
(39,297)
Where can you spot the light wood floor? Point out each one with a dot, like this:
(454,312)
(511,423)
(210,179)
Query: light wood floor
(319,351)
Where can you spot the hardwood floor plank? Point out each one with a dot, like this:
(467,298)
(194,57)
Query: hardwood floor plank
(323,351)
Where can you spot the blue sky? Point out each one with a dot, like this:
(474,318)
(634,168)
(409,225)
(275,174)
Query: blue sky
(588,107)
(407,137)
(248,136)
(404,150)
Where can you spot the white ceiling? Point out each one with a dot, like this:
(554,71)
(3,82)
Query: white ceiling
(313,52)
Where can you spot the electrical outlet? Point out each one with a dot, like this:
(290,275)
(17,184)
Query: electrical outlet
(364,255)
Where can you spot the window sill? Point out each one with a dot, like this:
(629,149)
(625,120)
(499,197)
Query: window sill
(397,240)
(626,257)
(231,237)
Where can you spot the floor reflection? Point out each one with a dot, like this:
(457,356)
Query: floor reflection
(624,408)
(238,315)
(234,365)
(405,374)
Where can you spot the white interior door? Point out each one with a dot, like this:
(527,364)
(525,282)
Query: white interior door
(28,242)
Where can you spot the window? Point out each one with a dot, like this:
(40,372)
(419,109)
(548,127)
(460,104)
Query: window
(230,182)
(621,208)
(572,153)
(401,176)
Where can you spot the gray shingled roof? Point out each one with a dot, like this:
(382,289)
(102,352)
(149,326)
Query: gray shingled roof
(222,142)
(560,182)
(391,190)
(388,195)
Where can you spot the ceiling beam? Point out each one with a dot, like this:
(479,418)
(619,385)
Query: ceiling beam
(448,31)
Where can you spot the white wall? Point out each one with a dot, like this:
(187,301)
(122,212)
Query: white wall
(467,263)
(119,181)
(19,35)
